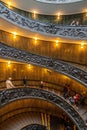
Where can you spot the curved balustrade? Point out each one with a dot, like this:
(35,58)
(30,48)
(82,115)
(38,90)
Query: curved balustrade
(58,1)
(56,65)
(34,127)
(48,29)
(10,95)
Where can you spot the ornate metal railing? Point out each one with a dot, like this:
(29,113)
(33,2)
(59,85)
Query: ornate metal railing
(11,95)
(53,64)
(75,32)
(34,127)
(56,65)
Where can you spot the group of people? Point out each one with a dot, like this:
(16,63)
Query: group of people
(74,99)
(75,23)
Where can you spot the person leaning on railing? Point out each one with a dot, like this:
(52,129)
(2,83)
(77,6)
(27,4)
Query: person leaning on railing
(9,83)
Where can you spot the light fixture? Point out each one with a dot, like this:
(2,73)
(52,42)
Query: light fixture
(9,63)
(9,4)
(58,16)
(29,66)
(34,14)
(86,14)
(14,33)
(56,42)
(82,45)
(35,38)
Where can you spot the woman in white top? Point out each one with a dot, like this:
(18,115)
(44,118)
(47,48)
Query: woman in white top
(9,83)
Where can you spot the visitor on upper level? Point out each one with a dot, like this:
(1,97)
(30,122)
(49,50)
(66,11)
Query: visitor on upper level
(25,81)
(76,98)
(41,84)
(82,100)
(73,23)
(71,100)
(86,122)
(66,91)
(77,23)
(9,83)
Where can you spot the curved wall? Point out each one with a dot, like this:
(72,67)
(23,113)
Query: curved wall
(55,19)
(57,100)
(24,112)
(64,51)
(52,80)
(44,8)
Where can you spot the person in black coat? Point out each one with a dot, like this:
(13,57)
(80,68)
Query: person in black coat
(25,81)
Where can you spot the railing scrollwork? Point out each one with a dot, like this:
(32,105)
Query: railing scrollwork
(76,32)
(11,95)
(34,127)
(53,64)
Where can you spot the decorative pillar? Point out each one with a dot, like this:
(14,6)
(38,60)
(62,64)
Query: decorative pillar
(42,118)
(48,122)
(45,116)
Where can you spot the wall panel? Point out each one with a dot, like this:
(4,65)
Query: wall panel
(64,51)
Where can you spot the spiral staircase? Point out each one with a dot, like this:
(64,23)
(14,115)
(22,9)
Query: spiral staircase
(32,107)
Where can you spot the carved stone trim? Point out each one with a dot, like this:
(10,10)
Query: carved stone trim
(75,32)
(11,95)
(53,64)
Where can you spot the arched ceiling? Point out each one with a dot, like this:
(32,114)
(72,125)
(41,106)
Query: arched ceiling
(47,8)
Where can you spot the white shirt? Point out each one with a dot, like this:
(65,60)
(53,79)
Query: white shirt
(9,84)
